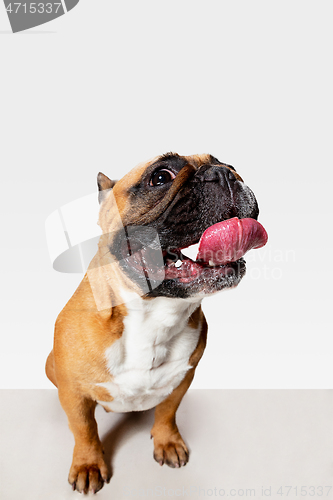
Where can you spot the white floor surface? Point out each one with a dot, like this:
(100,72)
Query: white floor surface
(243,443)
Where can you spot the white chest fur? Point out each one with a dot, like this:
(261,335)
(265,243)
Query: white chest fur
(152,356)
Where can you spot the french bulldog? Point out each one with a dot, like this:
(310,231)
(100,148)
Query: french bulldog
(132,334)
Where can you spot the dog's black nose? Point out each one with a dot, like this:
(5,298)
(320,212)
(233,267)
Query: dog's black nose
(216,173)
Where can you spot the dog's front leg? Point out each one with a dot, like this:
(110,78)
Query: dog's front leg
(169,446)
(88,471)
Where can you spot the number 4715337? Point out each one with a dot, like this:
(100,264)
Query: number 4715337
(33,8)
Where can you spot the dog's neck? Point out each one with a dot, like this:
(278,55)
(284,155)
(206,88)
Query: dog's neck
(163,316)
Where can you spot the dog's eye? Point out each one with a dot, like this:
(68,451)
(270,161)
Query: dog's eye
(161,177)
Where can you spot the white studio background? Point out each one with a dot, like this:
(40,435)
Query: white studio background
(113,83)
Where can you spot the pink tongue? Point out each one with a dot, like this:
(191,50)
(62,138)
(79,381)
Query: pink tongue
(229,240)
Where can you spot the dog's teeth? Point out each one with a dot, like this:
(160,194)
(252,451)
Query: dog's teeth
(178,263)
(211,263)
(191,251)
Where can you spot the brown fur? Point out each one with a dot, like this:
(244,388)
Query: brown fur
(83,333)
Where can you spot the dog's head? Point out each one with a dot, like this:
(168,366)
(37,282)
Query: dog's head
(168,204)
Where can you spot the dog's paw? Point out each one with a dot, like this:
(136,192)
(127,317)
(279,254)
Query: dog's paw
(173,452)
(88,478)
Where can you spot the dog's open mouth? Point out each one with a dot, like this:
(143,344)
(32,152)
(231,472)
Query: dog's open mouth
(221,248)
(216,255)
(185,269)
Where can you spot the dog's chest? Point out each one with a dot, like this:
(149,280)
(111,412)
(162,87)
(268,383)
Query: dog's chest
(152,356)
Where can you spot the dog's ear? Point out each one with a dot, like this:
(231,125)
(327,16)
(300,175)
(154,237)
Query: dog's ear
(103,183)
